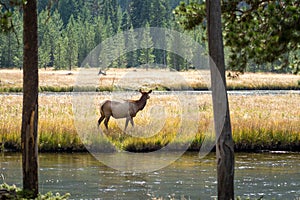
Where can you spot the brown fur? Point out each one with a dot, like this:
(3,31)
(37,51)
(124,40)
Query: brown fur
(127,109)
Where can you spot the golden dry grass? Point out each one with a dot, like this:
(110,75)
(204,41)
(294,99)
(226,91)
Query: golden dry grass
(160,79)
(264,81)
(259,122)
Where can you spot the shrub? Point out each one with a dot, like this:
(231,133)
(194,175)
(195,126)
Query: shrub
(14,193)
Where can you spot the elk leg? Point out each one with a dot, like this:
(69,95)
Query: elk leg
(126,123)
(131,121)
(106,122)
(100,120)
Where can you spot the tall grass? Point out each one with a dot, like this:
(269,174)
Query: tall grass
(266,122)
(259,122)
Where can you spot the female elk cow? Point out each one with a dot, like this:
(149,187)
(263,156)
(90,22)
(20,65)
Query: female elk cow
(127,109)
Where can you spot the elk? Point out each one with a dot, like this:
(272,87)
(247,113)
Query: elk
(127,109)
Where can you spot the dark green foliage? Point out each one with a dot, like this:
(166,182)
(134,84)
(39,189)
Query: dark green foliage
(256,32)
(139,12)
(6,13)
(69,30)
(190,15)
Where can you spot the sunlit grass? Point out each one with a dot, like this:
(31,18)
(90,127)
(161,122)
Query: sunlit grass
(266,121)
(258,122)
(159,79)
(267,81)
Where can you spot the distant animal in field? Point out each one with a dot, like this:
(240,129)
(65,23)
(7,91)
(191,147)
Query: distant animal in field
(233,75)
(127,109)
(101,72)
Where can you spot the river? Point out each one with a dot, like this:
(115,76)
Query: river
(273,175)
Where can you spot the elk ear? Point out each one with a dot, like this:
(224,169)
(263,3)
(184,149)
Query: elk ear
(140,90)
(149,91)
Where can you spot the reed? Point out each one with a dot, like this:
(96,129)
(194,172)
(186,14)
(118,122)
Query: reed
(258,122)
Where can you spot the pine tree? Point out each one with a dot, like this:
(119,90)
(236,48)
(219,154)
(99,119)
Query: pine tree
(158,18)
(11,44)
(86,37)
(119,19)
(119,49)
(70,40)
(175,61)
(131,45)
(99,30)
(107,54)
(66,8)
(139,12)
(108,29)
(8,50)
(51,35)
(158,14)
(146,45)
(18,53)
(60,54)
(44,39)
(110,11)
(126,22)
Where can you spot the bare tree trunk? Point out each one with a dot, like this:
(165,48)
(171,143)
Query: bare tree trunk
(29,132)
(225,146)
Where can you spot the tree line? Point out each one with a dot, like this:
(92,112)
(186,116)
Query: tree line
(68,30)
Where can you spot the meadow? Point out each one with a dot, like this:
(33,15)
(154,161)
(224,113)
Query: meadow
(158,79)
(259,122)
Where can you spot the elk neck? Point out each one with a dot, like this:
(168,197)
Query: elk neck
(141,103)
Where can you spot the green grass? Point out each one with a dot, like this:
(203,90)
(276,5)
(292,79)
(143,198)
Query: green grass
(196,87)
(262,122)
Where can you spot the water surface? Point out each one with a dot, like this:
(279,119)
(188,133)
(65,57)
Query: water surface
(271,175)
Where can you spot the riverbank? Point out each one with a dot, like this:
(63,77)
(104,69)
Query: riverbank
(158,79)
(259,122)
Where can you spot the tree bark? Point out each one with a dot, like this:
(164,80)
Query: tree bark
(29,134)
(225,146)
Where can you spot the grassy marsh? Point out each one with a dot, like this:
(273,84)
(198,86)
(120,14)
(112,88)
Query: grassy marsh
(259,122)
